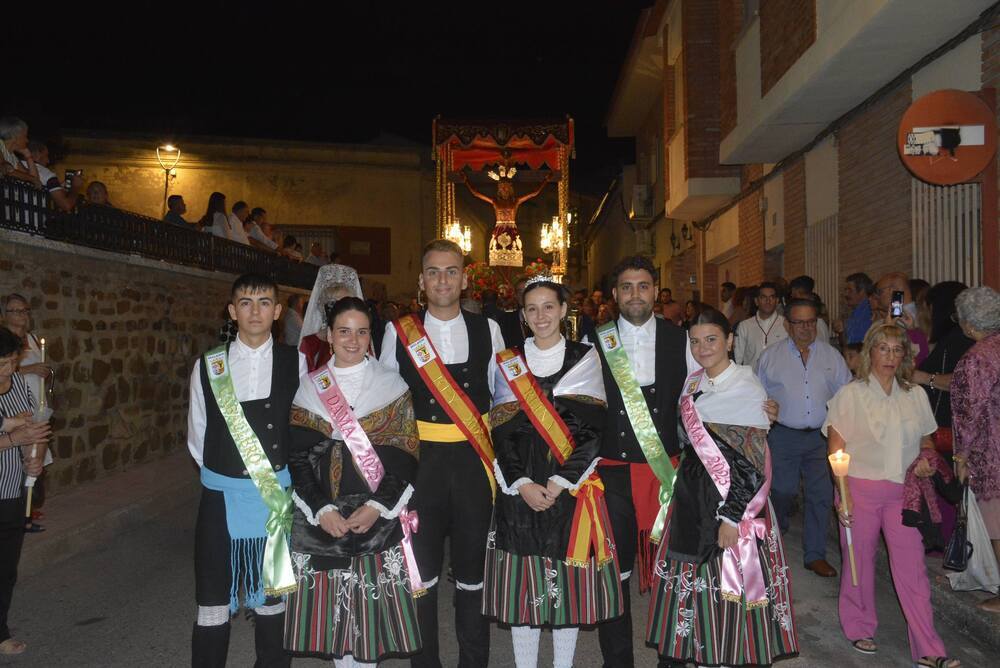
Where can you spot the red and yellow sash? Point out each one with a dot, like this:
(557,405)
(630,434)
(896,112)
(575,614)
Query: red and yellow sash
(446,391)
(590,520)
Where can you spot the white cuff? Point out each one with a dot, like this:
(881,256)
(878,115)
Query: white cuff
(325,509)
(307,511)
(404,498)
(727,521)
(502,483)
(566,484)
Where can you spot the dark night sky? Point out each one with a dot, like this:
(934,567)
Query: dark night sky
(280,70)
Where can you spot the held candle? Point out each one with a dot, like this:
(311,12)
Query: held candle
(839,462)
(41,392)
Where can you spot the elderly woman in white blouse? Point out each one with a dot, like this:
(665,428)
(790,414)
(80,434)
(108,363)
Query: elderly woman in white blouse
(882,420)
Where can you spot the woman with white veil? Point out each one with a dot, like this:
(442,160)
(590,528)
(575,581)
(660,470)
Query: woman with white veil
(332,282)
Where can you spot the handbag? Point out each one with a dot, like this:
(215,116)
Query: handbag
(959,549)
(983,573)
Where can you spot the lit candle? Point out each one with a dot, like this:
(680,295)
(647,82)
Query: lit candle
(839,462)
(41,391)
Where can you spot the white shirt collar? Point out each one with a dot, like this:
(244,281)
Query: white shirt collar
(768,320)
(876,391)
(241,350)
(556,350)
(428,318)
(717,382)
(352,370)
(647,328)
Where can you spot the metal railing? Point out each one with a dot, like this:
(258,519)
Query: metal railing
(24,208)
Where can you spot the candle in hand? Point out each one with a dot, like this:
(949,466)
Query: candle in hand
(41,390)
(839,462)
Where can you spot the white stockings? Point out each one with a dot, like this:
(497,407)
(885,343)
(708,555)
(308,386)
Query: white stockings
(526,641)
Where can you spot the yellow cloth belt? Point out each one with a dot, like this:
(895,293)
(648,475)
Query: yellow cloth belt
(444,433)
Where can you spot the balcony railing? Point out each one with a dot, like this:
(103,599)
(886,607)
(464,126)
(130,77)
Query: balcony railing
(27,209)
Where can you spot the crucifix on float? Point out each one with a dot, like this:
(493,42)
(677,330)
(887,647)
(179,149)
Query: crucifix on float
(505,242)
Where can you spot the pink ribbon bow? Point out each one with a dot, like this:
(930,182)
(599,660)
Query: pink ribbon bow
(411,524)
(741,569)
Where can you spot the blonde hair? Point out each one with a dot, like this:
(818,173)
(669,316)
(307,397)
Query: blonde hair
(879,333)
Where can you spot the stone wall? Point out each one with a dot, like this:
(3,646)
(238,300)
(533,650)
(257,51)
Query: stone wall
(122,333)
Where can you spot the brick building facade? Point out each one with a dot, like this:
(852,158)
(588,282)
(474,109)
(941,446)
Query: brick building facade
(798,111)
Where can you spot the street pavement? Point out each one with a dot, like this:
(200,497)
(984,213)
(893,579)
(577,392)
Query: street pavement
(131,603)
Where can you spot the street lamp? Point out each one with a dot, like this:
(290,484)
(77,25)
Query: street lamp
(168,163)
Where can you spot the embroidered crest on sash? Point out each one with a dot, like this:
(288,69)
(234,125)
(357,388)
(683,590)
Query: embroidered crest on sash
(512,368)
(421,352)
(217,364)
(609,340)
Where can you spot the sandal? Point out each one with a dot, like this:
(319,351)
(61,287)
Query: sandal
(865,645)
(939,662)
(10,647)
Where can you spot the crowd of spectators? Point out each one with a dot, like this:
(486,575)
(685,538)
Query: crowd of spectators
(27,160)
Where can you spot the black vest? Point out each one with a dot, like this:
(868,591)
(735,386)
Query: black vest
(268,418)
(471,375)
(619,441)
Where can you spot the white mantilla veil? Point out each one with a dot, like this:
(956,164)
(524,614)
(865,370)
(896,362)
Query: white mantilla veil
(330,276)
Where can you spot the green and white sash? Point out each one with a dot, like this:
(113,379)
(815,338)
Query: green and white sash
(277,568)
(642,422)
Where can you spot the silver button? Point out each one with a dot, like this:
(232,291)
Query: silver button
(465,384)
(621,412)
(656,410)
(433,402)
(277,468)
(245,472)
(652,390)
(268,405)
(623,434)
(274,447)
(624,455)
(270,426)
(465,370)
(434,418)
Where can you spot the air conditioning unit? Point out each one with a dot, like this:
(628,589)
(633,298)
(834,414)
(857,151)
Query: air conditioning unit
(642,201)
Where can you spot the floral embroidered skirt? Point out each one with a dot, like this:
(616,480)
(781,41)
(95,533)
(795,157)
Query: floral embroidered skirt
(541,591)
(691,621)
(366,610)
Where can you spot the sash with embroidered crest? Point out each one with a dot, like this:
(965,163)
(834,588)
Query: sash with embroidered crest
(446,391)
(642,422)
(590,519)
(277,575)
(365,459)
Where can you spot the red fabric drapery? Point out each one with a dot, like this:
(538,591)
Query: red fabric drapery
(479,144)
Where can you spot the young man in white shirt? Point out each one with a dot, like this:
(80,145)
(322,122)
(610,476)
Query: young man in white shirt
(454,495)
(761,330)
(231,530)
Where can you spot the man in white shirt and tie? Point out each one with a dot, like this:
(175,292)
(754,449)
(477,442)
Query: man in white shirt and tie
(760,330)
(454,488)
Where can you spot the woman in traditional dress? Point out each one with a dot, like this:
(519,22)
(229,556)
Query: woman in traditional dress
(333,281)
(355,584)
(721,592)
(550,555)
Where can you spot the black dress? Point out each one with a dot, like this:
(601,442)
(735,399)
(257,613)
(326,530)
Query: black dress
(528,577)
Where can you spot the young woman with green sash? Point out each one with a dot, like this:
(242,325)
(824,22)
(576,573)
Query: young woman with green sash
(353,456)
